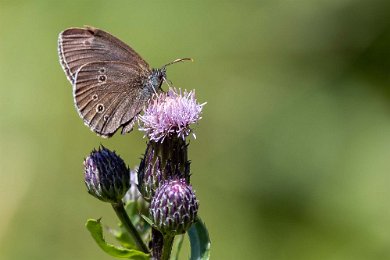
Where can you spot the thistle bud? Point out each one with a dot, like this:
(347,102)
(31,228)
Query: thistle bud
(106,175)
(162,161)
(174,207)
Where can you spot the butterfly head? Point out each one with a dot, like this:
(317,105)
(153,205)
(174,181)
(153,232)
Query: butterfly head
(157,77)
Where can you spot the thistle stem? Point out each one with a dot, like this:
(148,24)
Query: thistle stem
(157,244)
(124,218)
(167,248)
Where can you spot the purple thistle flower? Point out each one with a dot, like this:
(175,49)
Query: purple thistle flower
(169,114)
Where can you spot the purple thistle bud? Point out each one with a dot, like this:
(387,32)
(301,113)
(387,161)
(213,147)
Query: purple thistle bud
(149,173)
(174,207)
(170,114)
(162,161)
(106,175)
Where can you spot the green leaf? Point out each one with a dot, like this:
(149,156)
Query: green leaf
(131,208)
(95,228)
(177,247)
(123,237)
(121,234)
(199,241)
(148,220)
(142,226)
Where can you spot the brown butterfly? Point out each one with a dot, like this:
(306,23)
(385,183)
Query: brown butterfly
(111,82)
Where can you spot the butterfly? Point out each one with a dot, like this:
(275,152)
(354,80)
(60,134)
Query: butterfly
(111,82)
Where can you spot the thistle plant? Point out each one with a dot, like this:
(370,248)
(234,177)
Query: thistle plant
(108,179)
(164,172)
(156,202)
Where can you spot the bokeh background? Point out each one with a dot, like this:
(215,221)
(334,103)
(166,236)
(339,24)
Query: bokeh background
(292,155)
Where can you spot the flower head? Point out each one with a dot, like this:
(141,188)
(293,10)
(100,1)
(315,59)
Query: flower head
(106,175)
(174,207)
(169,114)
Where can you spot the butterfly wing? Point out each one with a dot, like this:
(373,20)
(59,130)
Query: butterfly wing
(79,46)
(109,94)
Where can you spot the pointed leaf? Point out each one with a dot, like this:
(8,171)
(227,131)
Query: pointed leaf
(95,228)
(199,241)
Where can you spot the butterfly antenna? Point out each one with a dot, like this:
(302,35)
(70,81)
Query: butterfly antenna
(169,83)
(177,60)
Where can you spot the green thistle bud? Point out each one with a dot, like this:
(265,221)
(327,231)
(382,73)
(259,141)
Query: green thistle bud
(106,175)
(174,207)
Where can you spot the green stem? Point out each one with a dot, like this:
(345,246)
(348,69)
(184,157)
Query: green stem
(167,248)
(124,218)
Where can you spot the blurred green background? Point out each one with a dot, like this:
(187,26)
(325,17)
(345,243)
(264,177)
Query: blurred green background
(292,156)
